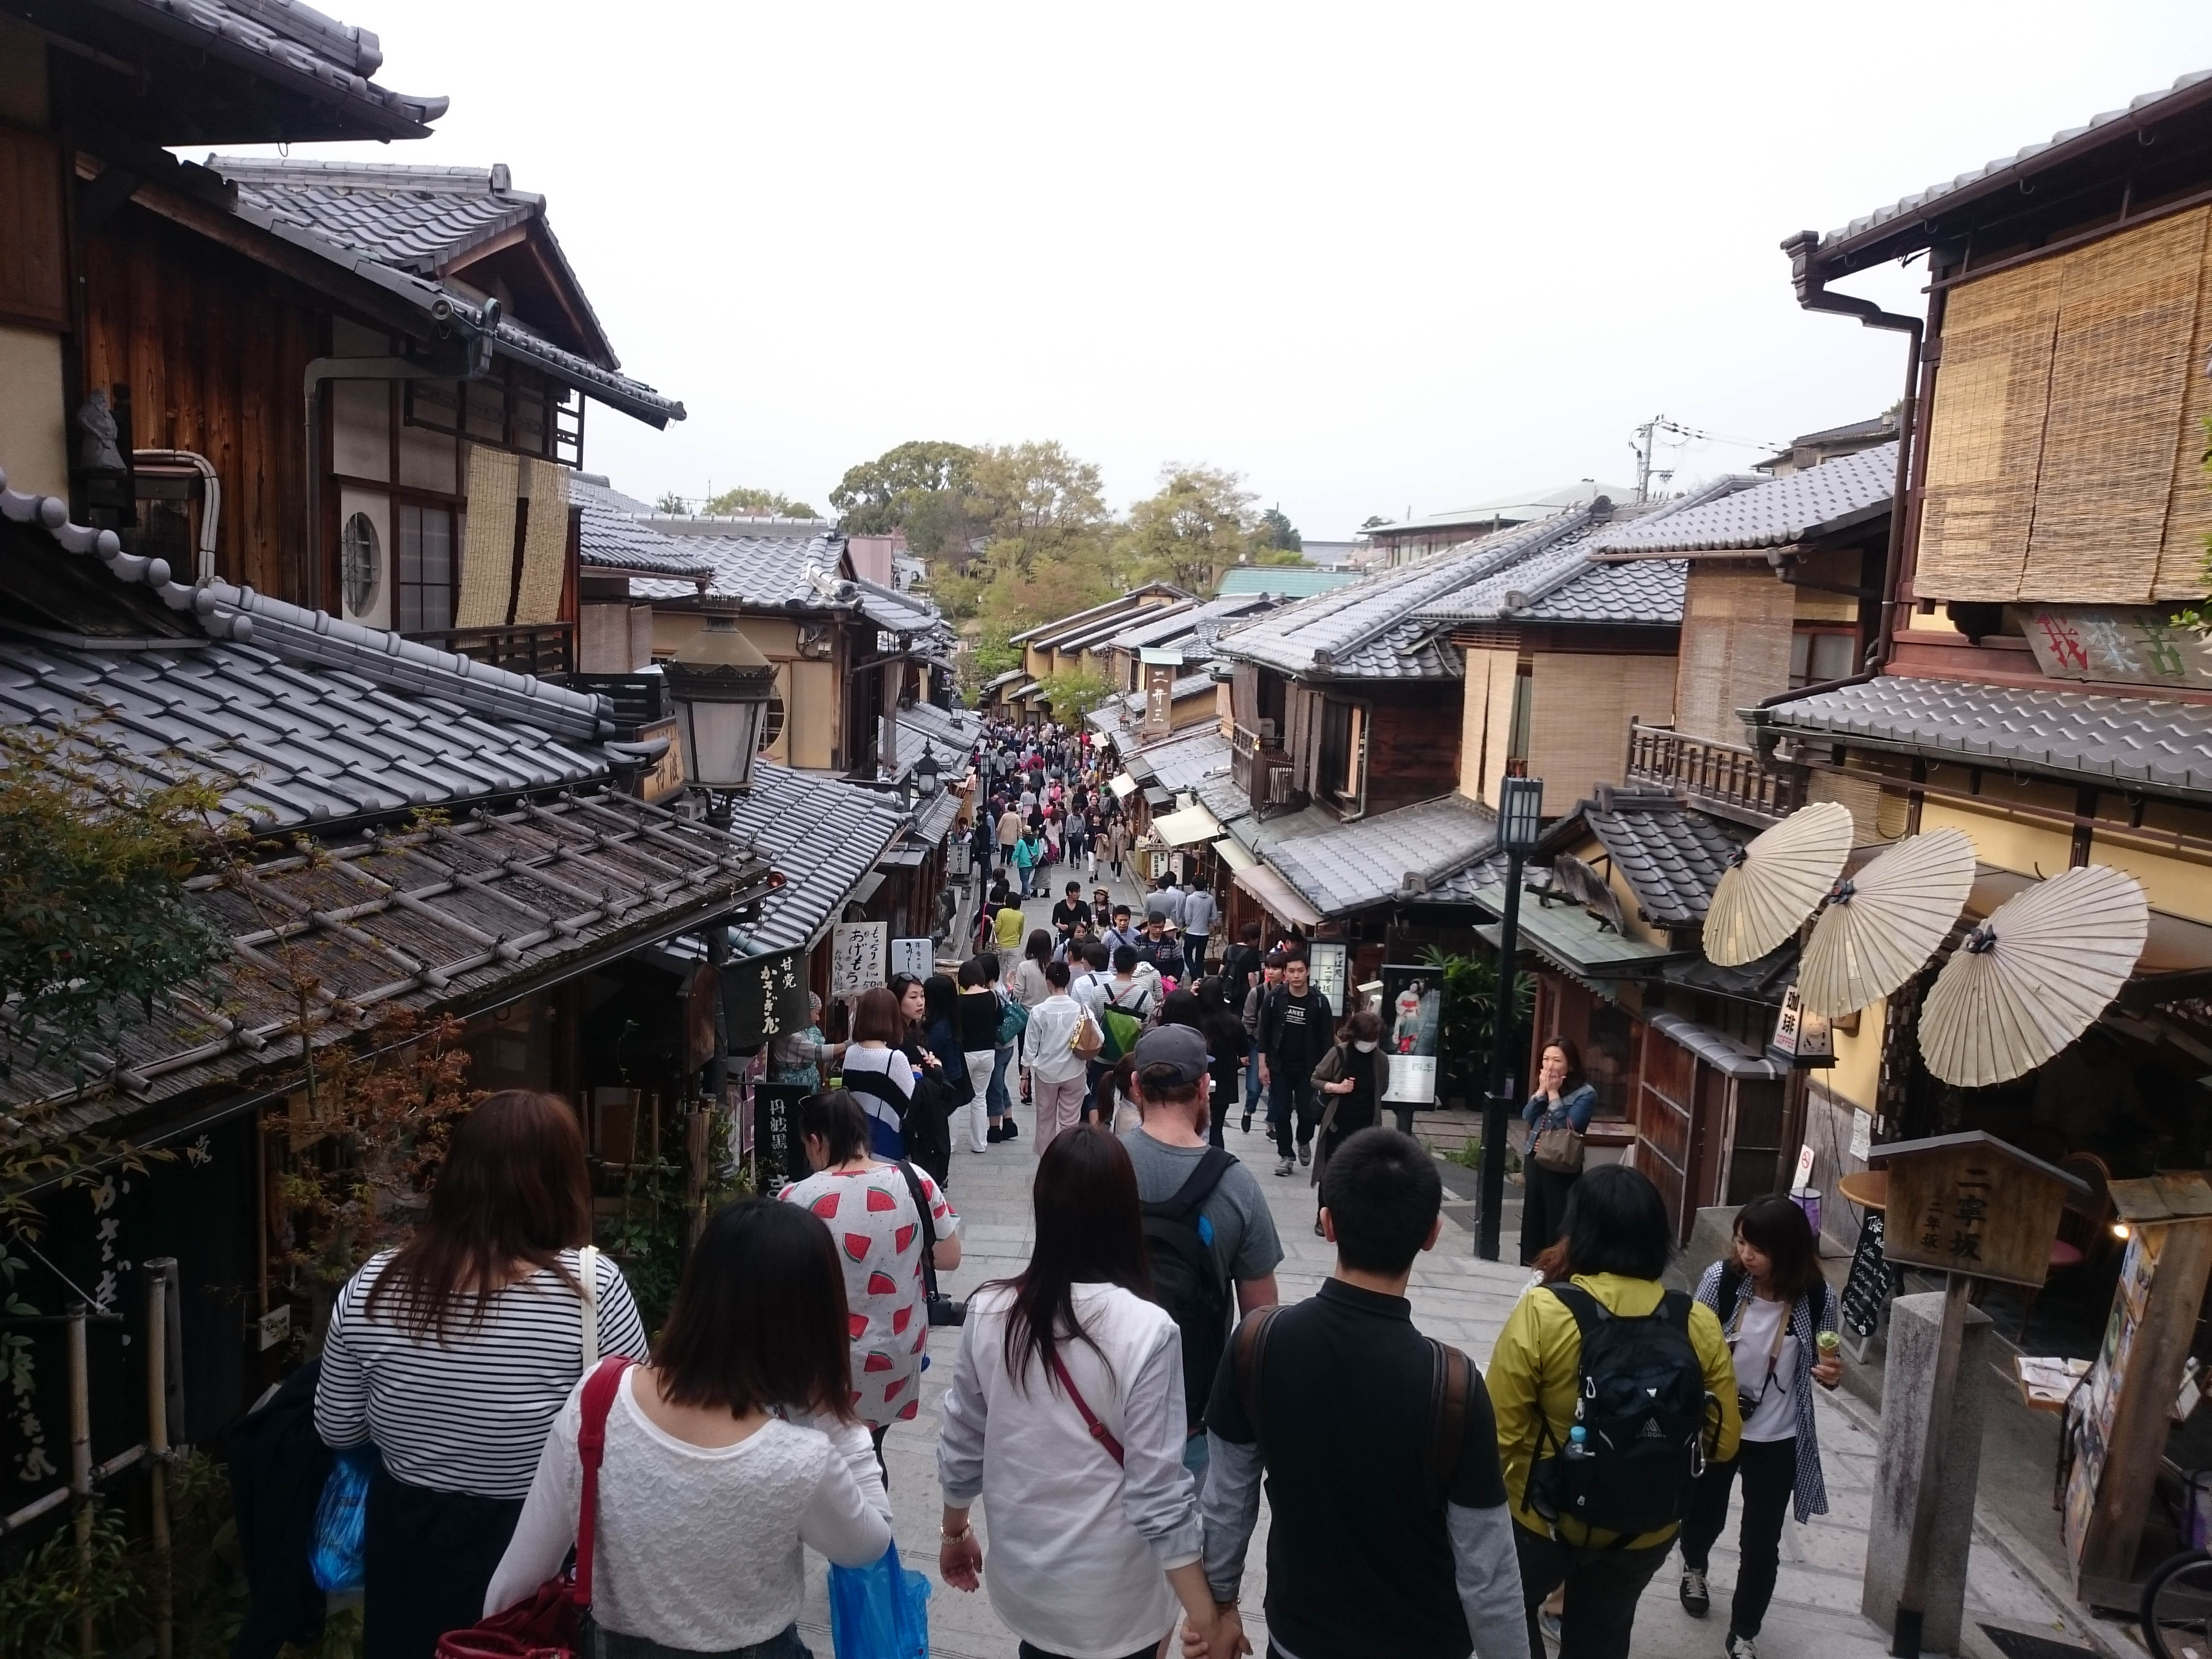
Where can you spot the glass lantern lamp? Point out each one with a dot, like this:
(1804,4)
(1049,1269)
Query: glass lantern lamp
(722,688)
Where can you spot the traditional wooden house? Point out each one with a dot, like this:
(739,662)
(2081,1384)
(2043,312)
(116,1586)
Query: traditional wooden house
(1073,645)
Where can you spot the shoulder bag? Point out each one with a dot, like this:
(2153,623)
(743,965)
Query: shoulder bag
(549,1624)
(1099,1431)
(1559,1147)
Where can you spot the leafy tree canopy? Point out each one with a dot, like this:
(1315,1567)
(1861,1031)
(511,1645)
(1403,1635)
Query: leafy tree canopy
(1276,531)
(756,503)
(1197,525)
(920,487)
(1073,696)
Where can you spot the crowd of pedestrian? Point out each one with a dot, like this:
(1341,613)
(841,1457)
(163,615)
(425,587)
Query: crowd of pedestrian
(1119,1405)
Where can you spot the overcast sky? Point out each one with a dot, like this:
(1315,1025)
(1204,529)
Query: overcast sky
(1372,256)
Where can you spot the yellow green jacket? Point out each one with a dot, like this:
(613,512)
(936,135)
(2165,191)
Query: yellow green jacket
(1535,1368)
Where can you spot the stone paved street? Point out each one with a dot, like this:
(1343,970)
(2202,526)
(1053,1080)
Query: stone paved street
(1465,1302)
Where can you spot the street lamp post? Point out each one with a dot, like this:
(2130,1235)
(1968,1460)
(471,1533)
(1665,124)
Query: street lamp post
(722,688)
(1520,825)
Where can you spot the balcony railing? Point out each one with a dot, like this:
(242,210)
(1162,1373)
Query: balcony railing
(539,648)
(1261,771)
(1726,775)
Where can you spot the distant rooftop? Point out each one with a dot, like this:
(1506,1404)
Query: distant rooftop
(1511,509)
(1283,581)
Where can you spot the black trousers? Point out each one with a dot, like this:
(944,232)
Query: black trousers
(1543,1207)
(428,1557)
(1770,1474)
(1602,1587)
(1028,1651)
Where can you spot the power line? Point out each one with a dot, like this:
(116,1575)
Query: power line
(1648,437)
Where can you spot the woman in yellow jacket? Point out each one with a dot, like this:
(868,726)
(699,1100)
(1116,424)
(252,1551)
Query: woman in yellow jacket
(1618,1243)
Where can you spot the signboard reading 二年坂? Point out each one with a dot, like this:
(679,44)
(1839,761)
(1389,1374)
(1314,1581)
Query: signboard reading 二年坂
(914,957)
(2135,645)
(857,950)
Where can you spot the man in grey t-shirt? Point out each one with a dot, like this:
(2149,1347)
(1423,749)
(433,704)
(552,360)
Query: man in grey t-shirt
(1170,1087)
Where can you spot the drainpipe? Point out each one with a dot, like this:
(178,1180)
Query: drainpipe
(472,363)
(1813,295)
(210,499)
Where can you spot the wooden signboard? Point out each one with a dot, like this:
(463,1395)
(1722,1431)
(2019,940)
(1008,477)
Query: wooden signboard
(1970,1204)
(2116,1426)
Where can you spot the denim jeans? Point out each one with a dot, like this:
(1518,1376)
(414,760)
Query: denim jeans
(995,1100)
(1289,1097)
(1251,1073)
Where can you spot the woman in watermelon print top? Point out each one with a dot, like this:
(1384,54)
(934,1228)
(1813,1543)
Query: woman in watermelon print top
(870,1211)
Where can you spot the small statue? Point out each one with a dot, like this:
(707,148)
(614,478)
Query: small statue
(97,452)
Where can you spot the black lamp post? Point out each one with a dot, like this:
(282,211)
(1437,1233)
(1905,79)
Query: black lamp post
(1520,826)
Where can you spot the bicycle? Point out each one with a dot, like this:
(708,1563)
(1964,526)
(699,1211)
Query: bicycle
(2176,1611)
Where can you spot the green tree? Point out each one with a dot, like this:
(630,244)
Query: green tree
(1197,524)
(920,487)
(756,503)
(1074,696)
(1276,531)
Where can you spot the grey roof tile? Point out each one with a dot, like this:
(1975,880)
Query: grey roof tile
(1366,862)
(823,835)
(764,570)
(2138,740)
(1644,591)
(1821,500)
(1922,203)
(1179,761)
(613,538)
(1671,856)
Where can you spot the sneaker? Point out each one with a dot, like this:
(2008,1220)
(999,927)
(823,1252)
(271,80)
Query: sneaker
(1697,1599)
(1287,1168)
(1305,1151)
(1740,1647)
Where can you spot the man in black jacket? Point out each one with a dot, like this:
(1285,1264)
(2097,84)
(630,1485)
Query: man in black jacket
(1297,1026)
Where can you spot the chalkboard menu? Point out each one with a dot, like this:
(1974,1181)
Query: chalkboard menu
(1866,1292)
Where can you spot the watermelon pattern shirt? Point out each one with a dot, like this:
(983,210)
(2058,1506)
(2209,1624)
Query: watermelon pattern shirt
(880,1240)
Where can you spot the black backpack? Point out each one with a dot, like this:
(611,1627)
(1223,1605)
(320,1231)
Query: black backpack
(1187,1280)
(1641,1399)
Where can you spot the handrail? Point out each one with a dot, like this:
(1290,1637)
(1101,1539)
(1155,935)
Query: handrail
(1711,770)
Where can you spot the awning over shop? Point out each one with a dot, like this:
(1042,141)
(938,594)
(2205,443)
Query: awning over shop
(1577,940)
(1192,823)
(1123,786)
(1232,854)
(1281,899)
(1158,800)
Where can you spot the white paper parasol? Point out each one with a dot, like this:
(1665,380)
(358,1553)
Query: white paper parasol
(2034,976)
(1881,926)
(1772,885)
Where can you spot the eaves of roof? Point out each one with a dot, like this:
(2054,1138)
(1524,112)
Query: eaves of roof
(1822,501)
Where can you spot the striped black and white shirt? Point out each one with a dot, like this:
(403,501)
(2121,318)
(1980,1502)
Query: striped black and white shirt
(470,1414)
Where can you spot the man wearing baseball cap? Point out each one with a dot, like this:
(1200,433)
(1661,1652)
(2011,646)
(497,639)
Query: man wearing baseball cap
(1206,1222)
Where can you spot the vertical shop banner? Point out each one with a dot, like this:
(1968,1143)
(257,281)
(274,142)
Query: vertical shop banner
(1413,1012)
(764,997)
(1325,961)
(775,1119)
(915,957)
(1161,668)
(857,950)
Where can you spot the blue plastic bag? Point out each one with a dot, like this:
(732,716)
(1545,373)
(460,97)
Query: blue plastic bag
(880,1611)
(342,1521)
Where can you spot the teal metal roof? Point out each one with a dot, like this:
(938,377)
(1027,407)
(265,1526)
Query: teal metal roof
(1575,940)
(1282,580)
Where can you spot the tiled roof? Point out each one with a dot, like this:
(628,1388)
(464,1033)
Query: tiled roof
(1922,205)
(1511,509)
(2147,741)
(1049,633)
(1367,861)
(1642,591)
(295,45)
(1177,762)
(1220,795)
(1820,500)
(1671,857)
(423,219)
(612,538)
(764,570)
(294,216)
(953,731)
(453,918)
(1553,559)
(823,834)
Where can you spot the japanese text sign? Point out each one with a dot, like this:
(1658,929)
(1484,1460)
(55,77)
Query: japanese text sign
(764,997)
(857,950)
(1970,1204)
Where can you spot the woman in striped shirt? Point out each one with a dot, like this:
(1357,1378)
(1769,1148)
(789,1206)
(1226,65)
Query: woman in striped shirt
(452,1355)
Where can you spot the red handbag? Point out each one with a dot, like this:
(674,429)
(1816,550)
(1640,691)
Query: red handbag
(546,1625)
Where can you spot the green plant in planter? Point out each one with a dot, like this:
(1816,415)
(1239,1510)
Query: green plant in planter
(1470,1014)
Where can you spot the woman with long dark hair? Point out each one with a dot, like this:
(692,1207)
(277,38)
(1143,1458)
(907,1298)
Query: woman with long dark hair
(1564,1099)
(1775,1306)
(736,1447)
(1027,981)
(1065,1416)
(453,1353)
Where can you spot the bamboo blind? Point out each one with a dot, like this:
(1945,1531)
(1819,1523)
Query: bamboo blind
(1487,727)
(1735,646)
(488,551)
(2062,449)
(544,544)
(1580,708)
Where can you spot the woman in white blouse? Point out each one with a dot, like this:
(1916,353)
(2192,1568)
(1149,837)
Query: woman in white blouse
(1065,1416)
(734,1449)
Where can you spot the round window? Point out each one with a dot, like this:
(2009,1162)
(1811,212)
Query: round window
(772,727)
(361,563)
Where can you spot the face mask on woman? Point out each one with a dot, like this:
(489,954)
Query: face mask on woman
(1365,1048)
